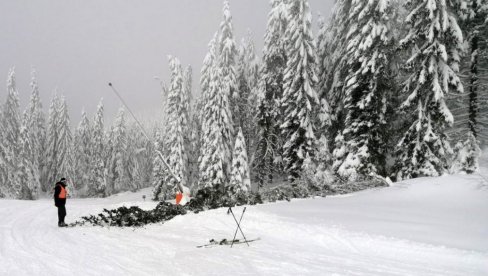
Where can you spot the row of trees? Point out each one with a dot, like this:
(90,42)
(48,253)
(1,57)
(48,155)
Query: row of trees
(368,97)
(36,152)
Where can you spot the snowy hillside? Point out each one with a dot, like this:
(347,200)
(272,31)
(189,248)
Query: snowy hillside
(429,226)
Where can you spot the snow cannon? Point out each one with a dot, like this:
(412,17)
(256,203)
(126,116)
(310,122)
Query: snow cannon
(182,198)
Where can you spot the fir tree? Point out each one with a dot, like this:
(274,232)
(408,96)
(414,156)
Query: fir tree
(218,85)
(300,98)
(324,121)
(36,127)
(82,154)
(28,172)
(97,170)
(64,148)
(160,174)
(227,55)
(117,178)
(51,170)
(240,178)
(368,81)
(474,14)
(205,112)
(10,138)
(177,119)
(3,175)
(467,155)
(268,149)
(435,40)
(247,79)
(333,69)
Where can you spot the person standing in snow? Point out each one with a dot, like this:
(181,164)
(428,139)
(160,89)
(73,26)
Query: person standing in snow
(60,195)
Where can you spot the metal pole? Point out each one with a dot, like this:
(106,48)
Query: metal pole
(160,155)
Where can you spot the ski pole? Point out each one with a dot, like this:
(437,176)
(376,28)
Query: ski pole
(160,155)
(238,226)
(235,234)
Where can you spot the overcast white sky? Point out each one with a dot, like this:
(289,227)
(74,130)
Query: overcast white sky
(79,46)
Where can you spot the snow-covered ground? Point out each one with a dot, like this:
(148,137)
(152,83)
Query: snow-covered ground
(428,226)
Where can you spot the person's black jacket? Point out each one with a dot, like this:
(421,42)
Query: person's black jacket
(58,202)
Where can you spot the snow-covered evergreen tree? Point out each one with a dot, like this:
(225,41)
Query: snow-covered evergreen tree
(268,116)
(468,109)
(117,177)
(64,148)
(240,179)
(160,174)
(332,69)
(247,79)
(3,175)
(218,85)
(177,120)
(10,139)
(467,155)
(205,112)
(434,39)
(58,155)
(51,170)
(299,98)
(474,14)
(28,172)
(369,80)
(36,128)
(227,58)
(324,117)
(97,169)
(82,153)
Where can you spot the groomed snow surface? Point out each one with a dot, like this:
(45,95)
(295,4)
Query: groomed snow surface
(427,226)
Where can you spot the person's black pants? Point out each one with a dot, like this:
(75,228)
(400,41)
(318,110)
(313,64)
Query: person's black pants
(61,214)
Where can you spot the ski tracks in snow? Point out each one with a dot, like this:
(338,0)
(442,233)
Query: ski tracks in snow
(292,242)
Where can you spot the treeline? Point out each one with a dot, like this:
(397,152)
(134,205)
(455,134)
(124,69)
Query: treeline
(385,89)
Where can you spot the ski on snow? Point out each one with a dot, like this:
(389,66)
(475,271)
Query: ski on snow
(214,242)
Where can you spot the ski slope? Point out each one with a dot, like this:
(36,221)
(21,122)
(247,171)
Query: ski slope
(427,226)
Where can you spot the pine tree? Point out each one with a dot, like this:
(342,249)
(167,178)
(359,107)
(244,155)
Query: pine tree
(240,179)
(435,40)
(36,128)
(300,98)
(205,111)
(247,79)
(324,117)
(368,81)
(177,119)
(117,178)
(51,170)
(195,143)
(190,135)
(10,138)
(467,155)
(97,170)
(470,116)
(218,85)
(160,174)
(28,171)
(65,145)
(82,154)
(227,55)
(332,70)
(475,25)
(3,182)
(268,149)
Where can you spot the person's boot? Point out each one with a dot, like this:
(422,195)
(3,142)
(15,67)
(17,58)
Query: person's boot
(62,224)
